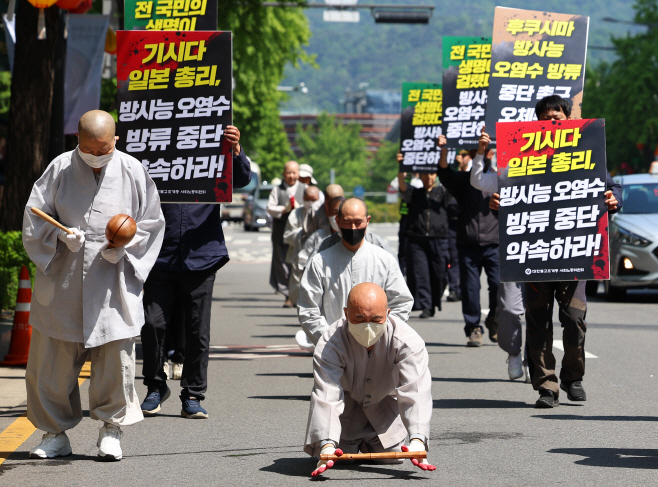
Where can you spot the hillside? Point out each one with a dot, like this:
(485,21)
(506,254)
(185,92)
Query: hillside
(385,55)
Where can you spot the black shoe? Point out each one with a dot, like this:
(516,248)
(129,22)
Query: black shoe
(427,313)
(492,326)
(453,297)
(574,390)
(547,399)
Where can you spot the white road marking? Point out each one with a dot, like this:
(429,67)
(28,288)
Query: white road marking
(264,238)
(560,346)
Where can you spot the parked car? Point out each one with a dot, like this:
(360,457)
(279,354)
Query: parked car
(255,215)
(634,237)
(233,211)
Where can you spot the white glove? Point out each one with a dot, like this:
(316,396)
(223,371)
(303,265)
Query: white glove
(328,449)
(73,241)
(418,445)
(112,255)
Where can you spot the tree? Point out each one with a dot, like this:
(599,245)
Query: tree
(625,93)
(265,40)
(334,145)
(28,137)
(383,167)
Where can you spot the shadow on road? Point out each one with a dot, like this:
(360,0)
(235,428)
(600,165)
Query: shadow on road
(469,380)
(301,375)
(597,418)
(613,457)
(302,467)
(478,404)
(437,344)
(284,398)
(272,336)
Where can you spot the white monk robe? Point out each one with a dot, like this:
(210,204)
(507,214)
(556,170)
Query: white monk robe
(377,398)
(331,275)
(82,301)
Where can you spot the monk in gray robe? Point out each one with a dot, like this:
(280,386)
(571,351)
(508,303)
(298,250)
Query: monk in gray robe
(332,273)
(373,387)
(88,295)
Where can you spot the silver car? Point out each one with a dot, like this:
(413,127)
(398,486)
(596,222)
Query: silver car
(634,237)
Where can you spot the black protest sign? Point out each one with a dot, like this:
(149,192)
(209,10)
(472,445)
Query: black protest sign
(422,111)
(174,97)
(534,55)
(553,218)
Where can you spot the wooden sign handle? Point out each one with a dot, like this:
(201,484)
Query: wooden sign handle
(50,219)
(375,456)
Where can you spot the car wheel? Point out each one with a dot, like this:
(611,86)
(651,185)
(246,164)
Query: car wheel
(592,288)
(614,293)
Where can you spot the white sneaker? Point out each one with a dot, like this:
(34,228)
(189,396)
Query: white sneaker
(528,379)
(109,442)
(304,343)
(515,367)
(52,445)
(177,372)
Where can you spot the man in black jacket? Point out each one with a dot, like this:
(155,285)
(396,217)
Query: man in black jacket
(427,233)
(477,244)
(192,252)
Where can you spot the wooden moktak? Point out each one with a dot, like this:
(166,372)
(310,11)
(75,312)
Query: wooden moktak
(120,230)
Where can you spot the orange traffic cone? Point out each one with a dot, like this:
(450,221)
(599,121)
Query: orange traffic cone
(21,333)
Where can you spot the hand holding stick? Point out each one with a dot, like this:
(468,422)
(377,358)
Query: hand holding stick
(51,220)
(376,456)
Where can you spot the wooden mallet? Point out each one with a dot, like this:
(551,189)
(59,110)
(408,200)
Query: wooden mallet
(50,219)
(375,456)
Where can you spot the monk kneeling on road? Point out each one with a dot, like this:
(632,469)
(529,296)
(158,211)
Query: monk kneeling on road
(372,384)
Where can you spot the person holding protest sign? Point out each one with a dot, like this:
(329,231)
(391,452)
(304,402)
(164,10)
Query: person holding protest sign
(477,245)
(372,383)
(571,299)
(192,252)
(510,300)
(427,230)
(283,199)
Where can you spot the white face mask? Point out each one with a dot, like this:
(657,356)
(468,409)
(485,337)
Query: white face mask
(96,161)
(308,204)
(334,224)
(367,334)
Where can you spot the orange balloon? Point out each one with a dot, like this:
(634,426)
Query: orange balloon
(120,230)
(42,3)
(111,41)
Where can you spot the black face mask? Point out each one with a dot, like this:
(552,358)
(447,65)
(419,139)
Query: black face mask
(353,236)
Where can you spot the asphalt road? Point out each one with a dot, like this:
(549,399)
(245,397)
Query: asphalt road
(485,430)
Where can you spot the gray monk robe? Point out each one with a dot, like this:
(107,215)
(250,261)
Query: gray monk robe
(330,276)
(80,297)
(388,391)
(85,306)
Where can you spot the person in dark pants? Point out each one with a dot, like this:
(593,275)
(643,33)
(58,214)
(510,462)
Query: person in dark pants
(455,293)
(192,251)
(427,233)
(571,299)
(477,245)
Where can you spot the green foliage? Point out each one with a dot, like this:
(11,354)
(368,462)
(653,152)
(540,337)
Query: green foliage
(383,167)
(109,96)
(12,257)
(625,93)
(5,92)
(385,55)
(384,212)
(265,39)
(333,145)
